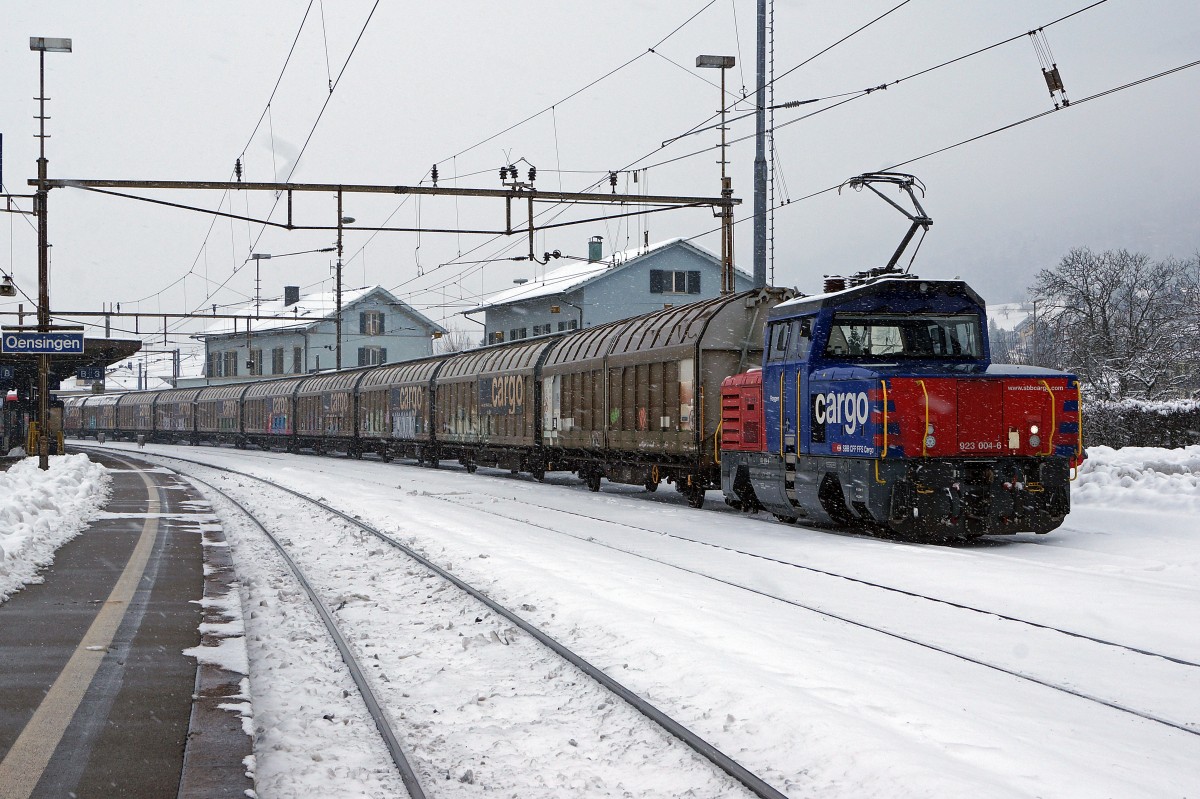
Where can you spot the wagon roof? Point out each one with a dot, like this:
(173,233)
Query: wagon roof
(273,387)
(512,357)
(221,392)
(344,380)
(398,373)
(178,395)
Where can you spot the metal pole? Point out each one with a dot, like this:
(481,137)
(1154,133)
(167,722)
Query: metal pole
(760,154)
(43,311)
(338,289)
(726,191)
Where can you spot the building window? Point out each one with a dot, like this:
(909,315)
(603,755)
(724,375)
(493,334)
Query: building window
(256,362)
(518,333)
(541,330)
(572,325)
(230,363)
(297,360)
(372,356)
(496,337)
(214,364)
(370,323)
(277,361)
(666,281)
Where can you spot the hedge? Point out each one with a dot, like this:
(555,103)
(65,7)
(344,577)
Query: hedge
(1141,423)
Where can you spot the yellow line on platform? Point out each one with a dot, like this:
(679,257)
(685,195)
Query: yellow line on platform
(26,761)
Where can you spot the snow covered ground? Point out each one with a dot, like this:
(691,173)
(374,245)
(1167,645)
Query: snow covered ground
(734,626)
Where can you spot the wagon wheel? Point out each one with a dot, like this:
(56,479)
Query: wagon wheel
(593,481)
(651,485)
(471,467)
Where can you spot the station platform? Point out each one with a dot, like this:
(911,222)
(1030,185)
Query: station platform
(97,698)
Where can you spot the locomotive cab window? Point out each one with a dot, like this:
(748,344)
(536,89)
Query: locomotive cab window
(893,336)
(790,339)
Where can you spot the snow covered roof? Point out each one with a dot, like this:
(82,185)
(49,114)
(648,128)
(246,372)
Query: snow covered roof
(573,276)
(1007,315)
(310,310)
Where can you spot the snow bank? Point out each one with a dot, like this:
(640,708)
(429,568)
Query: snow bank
(41,511)
(1145,477)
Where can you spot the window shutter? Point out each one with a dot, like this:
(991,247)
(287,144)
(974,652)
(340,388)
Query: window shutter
(362,328)
(383,355)
(693,283)
(656,281)
(362,355)
(379,318)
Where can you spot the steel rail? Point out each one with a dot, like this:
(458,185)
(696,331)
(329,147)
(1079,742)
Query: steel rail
(1183,727)
(869,583)
(407,774)
(708,751)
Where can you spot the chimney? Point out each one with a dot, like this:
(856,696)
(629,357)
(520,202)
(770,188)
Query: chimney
(595,249)
(291,295)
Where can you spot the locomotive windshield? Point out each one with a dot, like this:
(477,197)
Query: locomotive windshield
(893,336)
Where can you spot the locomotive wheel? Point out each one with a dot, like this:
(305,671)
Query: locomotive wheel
(695,496)
(651,486)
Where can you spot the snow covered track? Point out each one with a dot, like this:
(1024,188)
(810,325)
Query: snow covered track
(1172,671)
(675,603)
(735,771)
(381,720)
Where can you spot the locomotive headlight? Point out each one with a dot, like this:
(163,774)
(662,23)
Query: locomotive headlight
(929,430)
(1033,429)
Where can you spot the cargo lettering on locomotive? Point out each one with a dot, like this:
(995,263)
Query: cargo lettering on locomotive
(502,395)
(849,410)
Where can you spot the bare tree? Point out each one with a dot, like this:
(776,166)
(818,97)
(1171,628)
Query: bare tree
(1125,324)
(455,340)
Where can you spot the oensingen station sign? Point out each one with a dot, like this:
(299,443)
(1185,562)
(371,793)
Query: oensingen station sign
(33,342)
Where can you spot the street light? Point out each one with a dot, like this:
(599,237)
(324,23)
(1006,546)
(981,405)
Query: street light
(42,45)
(723,63)
(258,257)
(341,220)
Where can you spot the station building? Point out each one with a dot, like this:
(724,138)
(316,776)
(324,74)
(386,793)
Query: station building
(578,295)
(377,328)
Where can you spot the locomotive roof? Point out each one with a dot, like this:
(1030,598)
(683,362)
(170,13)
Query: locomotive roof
(880,289)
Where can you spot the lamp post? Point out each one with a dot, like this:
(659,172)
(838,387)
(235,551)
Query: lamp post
(259,257)
(341,220)
(42,45)
(723,63)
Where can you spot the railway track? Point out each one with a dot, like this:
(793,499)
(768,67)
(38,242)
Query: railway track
(377,707)
(1186,673)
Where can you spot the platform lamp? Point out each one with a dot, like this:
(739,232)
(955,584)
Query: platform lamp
(42,45)
(723,63)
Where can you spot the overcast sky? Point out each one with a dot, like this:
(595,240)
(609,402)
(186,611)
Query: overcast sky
(175,90)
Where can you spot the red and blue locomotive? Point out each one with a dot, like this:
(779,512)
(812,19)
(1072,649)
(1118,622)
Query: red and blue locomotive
(877,404)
